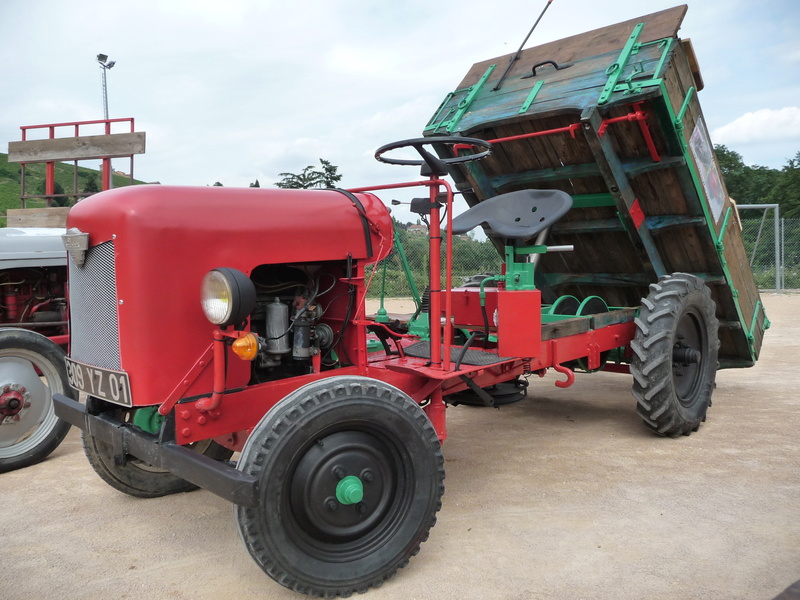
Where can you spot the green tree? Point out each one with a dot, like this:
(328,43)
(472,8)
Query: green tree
(91,185)
(255,184)
(57,189)
(787,191)
(310,177)
(745,184)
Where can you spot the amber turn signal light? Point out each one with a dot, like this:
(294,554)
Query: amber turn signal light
(246,347)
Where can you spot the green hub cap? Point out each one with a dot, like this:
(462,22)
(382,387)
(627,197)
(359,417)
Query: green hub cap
(350,490)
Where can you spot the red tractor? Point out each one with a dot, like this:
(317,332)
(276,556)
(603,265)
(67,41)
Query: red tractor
(197,334)
(212,321)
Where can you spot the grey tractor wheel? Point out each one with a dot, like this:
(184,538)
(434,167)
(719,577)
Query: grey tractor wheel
(675,355)
(350,477)
(32,369)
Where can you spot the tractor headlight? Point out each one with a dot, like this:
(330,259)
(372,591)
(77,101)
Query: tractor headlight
(228,296)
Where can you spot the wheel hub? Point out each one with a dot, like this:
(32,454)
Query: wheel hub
(687,357)
(342,486)
(14,399)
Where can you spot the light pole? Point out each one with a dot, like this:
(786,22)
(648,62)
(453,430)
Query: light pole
(105,65)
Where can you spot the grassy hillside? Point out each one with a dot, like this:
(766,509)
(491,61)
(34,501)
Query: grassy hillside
(34,176)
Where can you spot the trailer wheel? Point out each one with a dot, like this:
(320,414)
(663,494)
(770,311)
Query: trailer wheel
(32,369)
(675,355)
(350,477)
(135,477)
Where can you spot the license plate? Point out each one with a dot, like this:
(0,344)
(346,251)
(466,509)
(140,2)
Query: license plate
(113,386)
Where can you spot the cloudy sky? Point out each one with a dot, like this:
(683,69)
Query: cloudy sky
(237,90)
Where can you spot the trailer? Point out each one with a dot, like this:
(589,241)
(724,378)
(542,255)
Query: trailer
(612,117)
(212,321)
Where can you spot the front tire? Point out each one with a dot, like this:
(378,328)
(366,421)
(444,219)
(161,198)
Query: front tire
(32,369)
(675,355)
(308,532)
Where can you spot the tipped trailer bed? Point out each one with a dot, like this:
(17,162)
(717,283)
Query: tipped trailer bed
(612,117)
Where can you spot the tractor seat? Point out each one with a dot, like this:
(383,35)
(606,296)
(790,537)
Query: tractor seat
(516,215)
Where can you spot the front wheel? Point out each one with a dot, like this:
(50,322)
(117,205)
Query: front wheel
(32,369)
(350,477)
(675,355)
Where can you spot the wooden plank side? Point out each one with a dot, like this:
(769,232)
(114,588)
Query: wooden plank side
(662,24)
(742,289)
(77,148)
(37,217)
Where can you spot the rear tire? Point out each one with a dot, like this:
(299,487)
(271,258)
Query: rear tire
(135,477)
(675,355)
(32,369)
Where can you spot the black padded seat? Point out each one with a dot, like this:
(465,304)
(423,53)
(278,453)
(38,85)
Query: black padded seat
(516,215)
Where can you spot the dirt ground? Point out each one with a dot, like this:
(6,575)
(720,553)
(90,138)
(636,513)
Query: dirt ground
(563,495)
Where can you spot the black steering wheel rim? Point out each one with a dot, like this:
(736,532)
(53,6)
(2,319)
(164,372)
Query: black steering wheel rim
(418,143)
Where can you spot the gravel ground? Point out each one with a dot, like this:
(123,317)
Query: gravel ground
(563,495)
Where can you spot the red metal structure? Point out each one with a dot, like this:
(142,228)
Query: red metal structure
(68,142)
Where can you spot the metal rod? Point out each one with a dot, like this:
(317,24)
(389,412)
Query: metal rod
(783,253)
(777,250)
(519,51)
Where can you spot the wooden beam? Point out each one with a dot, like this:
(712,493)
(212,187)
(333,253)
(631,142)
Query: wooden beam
(37,217)
(77,148)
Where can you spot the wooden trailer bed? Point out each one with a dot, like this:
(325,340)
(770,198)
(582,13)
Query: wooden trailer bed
(619,127)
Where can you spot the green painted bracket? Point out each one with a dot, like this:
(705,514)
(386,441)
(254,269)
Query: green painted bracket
(531,97)
(681,114)
(148,419)
(751,337)
(614,71)
(718,243)
(457,111)
(540,249)
(592,200)
(635,83)
(519,275)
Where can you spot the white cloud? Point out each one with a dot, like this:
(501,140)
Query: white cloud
(761,126)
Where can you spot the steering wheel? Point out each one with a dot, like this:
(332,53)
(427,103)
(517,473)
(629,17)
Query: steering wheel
(435,163)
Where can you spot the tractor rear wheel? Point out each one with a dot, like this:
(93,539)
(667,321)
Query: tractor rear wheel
(675,355)
(135,477)
(350,477)
(32,369)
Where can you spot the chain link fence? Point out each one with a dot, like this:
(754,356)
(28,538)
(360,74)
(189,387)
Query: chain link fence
(759,242)
(472,257)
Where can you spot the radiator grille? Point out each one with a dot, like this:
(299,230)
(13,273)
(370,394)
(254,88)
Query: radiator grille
(93,309)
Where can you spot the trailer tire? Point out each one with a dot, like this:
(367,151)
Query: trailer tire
(675,352)
(135,477)
(32,369)
(301,532)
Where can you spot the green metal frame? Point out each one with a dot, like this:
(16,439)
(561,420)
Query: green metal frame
(452,115)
